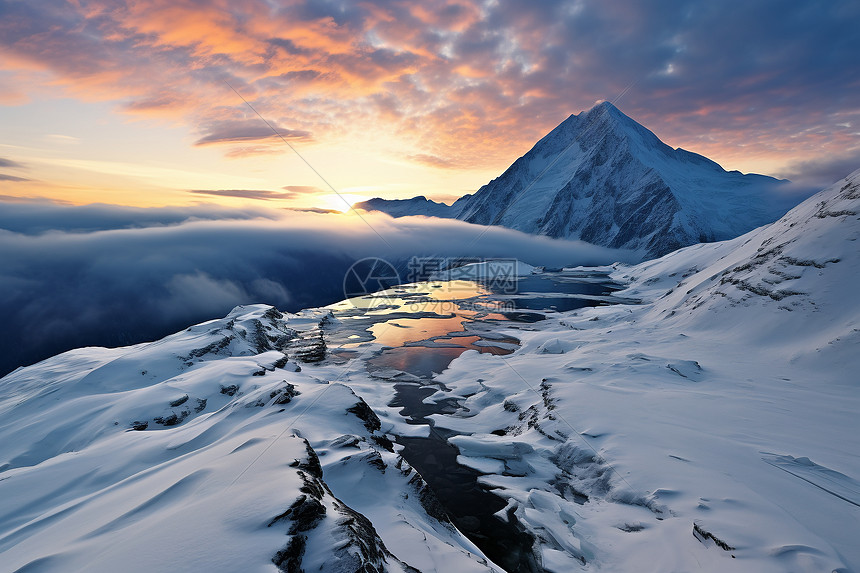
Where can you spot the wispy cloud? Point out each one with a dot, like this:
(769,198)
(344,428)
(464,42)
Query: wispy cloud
(62,139)
(12,178)
(248,131)
(181,178)
(253,151)
(432,160)
(821,172)
(9,163)
(303,189)
(258,194)
(29,200)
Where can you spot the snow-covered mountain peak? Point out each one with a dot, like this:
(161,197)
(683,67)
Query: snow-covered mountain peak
(604,121)
(601,177)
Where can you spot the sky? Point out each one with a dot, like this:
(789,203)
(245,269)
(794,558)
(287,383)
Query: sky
(155,102)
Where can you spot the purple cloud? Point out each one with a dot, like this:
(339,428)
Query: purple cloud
(248,131)
(12,178)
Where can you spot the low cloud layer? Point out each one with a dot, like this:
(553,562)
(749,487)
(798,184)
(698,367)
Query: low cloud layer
(821,172)
(100,275)
(30,217)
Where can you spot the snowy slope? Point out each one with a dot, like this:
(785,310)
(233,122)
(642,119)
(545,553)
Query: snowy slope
(605,179)
(713,427)
(207,451)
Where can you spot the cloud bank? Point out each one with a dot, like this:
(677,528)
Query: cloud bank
(101,275)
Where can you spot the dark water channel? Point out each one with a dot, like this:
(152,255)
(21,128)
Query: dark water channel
(470,506)
(451,321)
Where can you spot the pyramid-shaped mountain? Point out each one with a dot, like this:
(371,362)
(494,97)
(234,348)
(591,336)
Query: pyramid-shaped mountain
(603,178)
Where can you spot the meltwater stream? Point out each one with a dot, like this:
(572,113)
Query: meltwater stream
(422,328)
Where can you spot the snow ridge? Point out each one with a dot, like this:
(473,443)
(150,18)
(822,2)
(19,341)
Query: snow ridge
(724,402)
(209,450)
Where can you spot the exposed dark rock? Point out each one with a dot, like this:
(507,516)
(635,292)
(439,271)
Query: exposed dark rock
(213,348)
(289,559)
(345,441)
(230,390)
(257,337)
(373,458)
(702,534)
(311,462)
(428,499)
(366,415)
(284,394)
(172,419)
(383,442)
(303,515)
(273,314)
(362,550)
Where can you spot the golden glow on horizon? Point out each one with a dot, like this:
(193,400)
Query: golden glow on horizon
(88,153)
(342,202)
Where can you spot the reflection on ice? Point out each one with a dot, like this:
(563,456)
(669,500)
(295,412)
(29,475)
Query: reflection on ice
(415,331)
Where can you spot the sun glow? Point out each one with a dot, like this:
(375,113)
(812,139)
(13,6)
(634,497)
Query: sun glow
(342,202)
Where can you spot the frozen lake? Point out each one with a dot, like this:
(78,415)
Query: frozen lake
(423,328)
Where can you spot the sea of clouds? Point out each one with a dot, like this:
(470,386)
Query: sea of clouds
(104,275)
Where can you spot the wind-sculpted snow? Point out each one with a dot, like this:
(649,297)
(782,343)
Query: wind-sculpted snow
(802,271)
(209,450)
(712,427)
(602,178)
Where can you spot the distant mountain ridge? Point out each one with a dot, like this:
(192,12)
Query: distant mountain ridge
(603,178)
(403,207)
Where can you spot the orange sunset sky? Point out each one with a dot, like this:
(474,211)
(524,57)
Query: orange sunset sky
(130,102)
